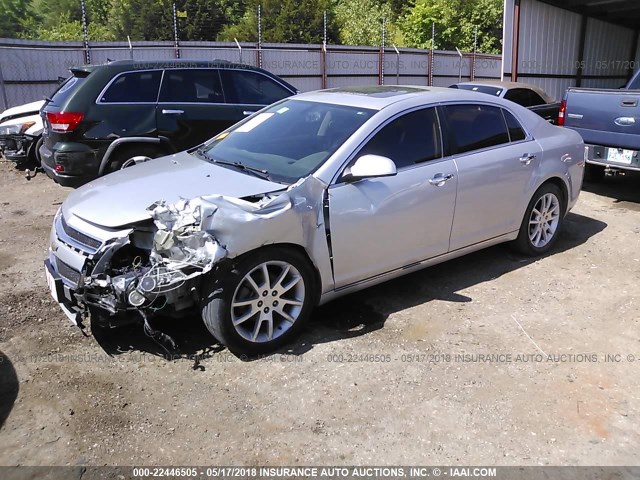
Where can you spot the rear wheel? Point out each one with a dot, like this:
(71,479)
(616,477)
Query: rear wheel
(131,155)
(261,302)
(542,221)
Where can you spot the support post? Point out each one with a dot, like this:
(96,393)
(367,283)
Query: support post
(85,33)
(515,43)
(176,45)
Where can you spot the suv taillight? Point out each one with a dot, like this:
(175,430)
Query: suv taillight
(563,110)
(64,122)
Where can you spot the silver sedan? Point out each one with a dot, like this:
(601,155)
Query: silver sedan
(314,197)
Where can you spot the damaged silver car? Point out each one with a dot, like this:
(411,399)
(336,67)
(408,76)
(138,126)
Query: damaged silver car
(309,199)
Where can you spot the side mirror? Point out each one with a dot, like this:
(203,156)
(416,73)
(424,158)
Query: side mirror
(370,166)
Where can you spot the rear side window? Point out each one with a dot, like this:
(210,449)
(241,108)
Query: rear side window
(516,132)
(247,87)
(134,87)
(472,127)
(192,86)
(524,97)
(407,140)
(64,91)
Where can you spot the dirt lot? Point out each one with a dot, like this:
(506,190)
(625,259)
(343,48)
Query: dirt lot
(379,377)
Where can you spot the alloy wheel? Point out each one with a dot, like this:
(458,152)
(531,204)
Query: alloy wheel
(267,301)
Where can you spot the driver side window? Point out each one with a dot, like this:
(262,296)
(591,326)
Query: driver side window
(410,139)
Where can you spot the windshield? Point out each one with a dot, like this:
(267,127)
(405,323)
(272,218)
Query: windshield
(288,140)
(495,91)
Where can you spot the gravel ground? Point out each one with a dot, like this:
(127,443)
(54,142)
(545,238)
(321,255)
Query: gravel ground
(490,359)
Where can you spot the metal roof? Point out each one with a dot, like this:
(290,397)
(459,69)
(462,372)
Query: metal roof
(621,12)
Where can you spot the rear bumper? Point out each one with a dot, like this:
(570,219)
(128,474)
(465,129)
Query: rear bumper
(598,155)
(78,166)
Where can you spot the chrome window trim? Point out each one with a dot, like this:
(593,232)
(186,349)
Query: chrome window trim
(259,73)
(98,100)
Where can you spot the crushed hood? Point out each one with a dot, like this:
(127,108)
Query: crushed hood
(21,110)
(122,198)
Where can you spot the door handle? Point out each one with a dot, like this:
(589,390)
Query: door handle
(526,158)
(439,179)
(172,112)
(246,113)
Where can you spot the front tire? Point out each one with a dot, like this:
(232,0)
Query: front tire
(261,302)
(542,221)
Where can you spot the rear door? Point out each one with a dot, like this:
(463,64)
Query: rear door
(191,107)
(249,91)
(496,160)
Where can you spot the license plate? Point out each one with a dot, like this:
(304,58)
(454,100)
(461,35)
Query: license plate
(619,155)
(52,285)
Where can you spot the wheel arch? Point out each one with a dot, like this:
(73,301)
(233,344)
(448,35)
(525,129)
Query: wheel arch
(119,144)
(562,185)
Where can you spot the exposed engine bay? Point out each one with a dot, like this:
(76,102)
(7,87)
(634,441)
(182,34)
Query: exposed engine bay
(157,265)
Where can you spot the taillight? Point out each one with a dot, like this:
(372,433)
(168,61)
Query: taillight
(563,110)
(64,121)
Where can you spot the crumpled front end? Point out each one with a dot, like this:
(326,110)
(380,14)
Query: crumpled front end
(157,265)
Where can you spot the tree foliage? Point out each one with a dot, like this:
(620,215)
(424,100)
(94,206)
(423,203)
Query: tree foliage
(455,24)
(351,22)
(286,21)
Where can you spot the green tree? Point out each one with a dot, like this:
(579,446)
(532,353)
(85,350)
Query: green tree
(455,23)
(360,22)
(14,15)
(287,21)
(142,19)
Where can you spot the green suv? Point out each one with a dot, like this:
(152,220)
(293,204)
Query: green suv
(107,117)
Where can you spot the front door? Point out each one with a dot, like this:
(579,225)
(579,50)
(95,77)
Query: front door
(381,224)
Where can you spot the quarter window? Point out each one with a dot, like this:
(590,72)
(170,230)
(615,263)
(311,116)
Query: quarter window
(191,86)
(412,138)
(247,87)
(472,127)
(134,87)
(516,132)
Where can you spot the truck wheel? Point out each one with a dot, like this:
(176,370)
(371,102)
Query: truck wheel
(130,155)
(261,302)
(542,221)
(593,173)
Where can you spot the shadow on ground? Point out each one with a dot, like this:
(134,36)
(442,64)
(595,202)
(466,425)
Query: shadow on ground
(623,189)
(362,312)
(9,387)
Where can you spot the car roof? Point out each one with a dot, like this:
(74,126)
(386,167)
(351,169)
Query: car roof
(510,85)
(377,97)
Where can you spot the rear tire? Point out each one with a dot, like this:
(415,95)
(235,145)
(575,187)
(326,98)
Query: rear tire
(261,302)
(542,221)
(36,153)
(124,157)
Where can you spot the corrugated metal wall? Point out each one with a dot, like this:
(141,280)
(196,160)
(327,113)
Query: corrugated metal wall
(31,69)
(549,42)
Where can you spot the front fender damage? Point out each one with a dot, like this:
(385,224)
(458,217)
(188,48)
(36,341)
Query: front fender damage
(192,237)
